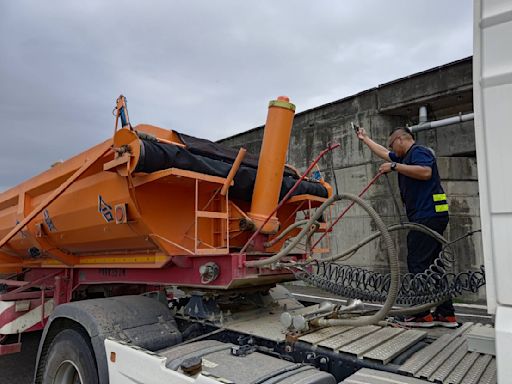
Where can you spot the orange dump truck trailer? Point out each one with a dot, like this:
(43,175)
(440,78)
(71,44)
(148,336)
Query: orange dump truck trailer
(146,209)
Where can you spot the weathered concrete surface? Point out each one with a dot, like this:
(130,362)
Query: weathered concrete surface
(446,91)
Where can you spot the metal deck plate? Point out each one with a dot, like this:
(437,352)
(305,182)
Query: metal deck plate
(371,376)
(348,337)
(324,333)
(421,358)
(392,348)
(476,371)
(265,322)
(448,361)
(490,375)
(460,370)
(445,358)
(267,326)
(369,342)
(450,365)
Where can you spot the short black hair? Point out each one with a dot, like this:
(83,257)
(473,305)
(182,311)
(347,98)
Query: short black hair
(403,130)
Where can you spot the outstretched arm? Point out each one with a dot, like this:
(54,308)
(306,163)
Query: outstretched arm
(418,172)
(378,149)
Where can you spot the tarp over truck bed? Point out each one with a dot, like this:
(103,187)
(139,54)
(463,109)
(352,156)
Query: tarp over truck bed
(211,158)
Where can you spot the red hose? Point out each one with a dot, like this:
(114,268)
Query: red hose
(372,181)
(283,200)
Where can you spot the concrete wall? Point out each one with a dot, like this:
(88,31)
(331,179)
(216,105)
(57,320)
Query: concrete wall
(446,91)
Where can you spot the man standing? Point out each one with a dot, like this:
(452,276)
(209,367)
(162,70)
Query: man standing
(425,203)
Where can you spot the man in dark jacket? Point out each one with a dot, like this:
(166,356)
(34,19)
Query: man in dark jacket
(425,203)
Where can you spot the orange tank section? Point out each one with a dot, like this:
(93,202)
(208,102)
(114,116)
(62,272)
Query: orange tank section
(95,211)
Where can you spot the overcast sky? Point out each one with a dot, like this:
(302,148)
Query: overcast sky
(206,68)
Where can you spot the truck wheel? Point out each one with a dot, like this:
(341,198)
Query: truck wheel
(70,360)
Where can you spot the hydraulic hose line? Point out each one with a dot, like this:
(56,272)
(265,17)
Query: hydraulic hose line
(288,229)
(285,198)
(318,214)
(423,291)
(394,276)
(392,287)
(304,232)
(372,181)
(414,226)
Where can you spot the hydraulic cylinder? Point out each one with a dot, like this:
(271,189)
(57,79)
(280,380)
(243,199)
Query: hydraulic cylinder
(276,138)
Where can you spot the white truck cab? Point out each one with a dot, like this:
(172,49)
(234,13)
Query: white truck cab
(492,90)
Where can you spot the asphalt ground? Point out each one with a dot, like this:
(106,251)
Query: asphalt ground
(18,368)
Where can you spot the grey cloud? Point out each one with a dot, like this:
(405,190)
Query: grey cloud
(202,67)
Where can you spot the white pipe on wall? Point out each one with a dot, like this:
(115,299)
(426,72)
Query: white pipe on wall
(441,123)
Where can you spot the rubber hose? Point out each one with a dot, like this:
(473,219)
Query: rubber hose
(390,247)
(304,232)
(276,239)
(414,310)
(393,266)
(414,226)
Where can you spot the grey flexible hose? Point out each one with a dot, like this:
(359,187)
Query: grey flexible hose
(304,232)
(414,310)
(407,311)
(417,227)
(276,239)
(392,256)
(390,247)
(394,271)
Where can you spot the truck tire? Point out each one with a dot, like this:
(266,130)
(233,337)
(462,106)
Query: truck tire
(70,360)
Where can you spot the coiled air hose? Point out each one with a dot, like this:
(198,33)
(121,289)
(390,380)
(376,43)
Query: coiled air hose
(388,288)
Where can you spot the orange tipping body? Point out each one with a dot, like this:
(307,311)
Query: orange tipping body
(276,138)
(106,218)
(96,210)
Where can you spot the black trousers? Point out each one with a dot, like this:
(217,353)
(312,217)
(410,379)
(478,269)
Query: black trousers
(423,249)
